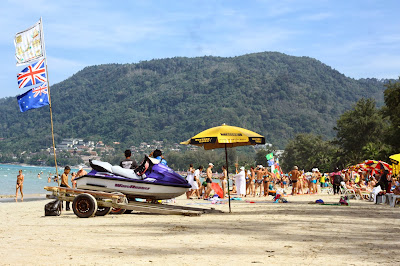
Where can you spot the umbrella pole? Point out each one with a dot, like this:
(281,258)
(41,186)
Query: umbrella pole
(227,177)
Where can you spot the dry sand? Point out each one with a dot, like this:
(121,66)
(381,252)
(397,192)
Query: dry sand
(255,233)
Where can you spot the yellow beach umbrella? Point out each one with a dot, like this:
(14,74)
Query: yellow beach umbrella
(225,136)
(395,158)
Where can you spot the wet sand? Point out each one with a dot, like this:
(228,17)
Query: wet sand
(254,233)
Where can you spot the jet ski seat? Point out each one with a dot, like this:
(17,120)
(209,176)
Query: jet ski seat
(129,173)
(137,173)
(100,166)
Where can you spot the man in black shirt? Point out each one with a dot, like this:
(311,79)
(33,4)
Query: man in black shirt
(383,181)
(128,162)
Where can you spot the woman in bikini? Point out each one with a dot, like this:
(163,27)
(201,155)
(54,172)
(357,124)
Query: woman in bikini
(259,182)
(252,180)
(224,178)
(20,186)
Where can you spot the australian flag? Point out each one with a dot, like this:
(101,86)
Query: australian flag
(34,98)
(32,75)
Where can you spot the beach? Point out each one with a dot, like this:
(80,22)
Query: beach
(254,233)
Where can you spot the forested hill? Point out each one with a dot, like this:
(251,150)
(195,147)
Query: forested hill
(172,99)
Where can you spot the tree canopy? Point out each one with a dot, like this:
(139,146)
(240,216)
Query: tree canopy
(171,99)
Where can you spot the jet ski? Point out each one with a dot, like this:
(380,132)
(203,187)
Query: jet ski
(151,180)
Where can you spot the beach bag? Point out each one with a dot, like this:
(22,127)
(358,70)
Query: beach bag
(344,200)
(52,208)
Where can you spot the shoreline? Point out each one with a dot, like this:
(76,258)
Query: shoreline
(27,197)
(31,165)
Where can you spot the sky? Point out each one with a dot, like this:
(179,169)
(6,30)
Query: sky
(360,39)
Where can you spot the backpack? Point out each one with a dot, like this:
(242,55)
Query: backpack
(52,208)
(337,179)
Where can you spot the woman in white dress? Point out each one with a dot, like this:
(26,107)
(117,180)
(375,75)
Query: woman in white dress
(240,180)
(191,181)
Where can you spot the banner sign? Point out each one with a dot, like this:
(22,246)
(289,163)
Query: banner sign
(29,45)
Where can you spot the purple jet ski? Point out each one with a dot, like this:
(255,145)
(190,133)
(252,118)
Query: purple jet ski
(151,180)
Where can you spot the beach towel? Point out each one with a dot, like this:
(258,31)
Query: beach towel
(217,189)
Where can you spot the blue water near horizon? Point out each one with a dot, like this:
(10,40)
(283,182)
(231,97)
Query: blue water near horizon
(32,184)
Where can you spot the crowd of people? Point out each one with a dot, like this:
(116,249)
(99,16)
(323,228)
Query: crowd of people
(261,182)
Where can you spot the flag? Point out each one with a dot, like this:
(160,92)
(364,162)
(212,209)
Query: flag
(29,45)
(34,98)
(271,162)
(269,156)
(32,75)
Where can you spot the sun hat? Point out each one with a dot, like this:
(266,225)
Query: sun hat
(242,168)
(210,164)
(80,167)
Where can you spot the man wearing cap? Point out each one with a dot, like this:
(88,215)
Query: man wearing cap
(80,172)
(294,176)
(259,182)
(208,180)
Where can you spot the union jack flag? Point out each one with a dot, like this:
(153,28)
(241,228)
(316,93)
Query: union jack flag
(32,75)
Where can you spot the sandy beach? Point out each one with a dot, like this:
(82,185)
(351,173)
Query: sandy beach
(255,233)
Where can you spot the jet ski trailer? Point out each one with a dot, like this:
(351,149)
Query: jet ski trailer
(87,203)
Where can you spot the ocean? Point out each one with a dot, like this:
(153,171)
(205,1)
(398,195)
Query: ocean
(32,184)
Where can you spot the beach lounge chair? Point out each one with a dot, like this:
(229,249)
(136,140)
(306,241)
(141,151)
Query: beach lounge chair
(349,192)
(328,189)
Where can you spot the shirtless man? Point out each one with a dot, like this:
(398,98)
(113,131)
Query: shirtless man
(259,181)
(80,172)
(20,186)
(64,183)
(294,175)
(208,180)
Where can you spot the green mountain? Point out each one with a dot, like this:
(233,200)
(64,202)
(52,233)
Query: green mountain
(172,99)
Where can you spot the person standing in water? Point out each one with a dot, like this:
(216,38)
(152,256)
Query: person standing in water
(20,186)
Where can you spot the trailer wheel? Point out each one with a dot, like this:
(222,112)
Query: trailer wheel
(84,205)
(102,211)
(117,211)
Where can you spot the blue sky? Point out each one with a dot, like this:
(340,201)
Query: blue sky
(360,39)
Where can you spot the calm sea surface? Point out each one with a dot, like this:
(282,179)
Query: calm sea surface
(32,184)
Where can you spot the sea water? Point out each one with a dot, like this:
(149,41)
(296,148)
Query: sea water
(32,184)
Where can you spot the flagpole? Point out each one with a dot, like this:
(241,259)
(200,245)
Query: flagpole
(51,112)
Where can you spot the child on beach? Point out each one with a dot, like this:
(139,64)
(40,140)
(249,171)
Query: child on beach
(64,183)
